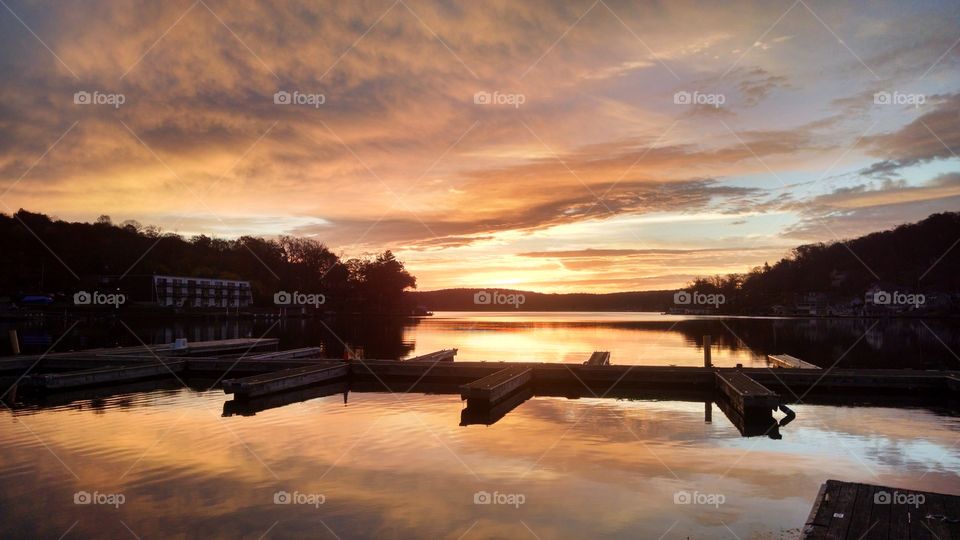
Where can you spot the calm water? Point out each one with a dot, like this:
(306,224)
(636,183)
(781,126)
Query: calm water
(401,466)
(632,338)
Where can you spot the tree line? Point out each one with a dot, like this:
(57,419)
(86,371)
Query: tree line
(921,257)
(44,255)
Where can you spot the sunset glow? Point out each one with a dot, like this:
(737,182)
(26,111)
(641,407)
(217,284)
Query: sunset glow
(536,145)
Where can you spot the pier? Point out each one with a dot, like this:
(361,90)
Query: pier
(845,510)
(749,397)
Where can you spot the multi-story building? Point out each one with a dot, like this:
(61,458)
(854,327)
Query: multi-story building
(201,292)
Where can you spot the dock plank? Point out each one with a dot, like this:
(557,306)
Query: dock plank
(812,529)
(899,519)
(843,511)
(862,507)
(936,506)
(951,507)
(818,524)
(880,516)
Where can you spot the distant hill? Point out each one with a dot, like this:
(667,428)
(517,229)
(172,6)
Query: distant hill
(507,299)
(921,257)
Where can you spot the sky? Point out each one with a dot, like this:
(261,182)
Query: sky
(553,146)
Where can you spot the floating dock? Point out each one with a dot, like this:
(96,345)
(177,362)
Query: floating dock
(745,393)
(285,379)
(251,406)
(787,361)
(305,352)
(446,355)
(845,510)
(105,375)
(489,390)
(748,396)
(598,358)
(489,415)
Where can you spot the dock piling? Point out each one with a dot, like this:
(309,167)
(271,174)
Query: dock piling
(707,361)
(14,342)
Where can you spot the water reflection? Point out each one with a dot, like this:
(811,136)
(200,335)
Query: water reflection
(401,466)
(632,338)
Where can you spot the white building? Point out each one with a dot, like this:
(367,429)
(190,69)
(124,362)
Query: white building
(201,292)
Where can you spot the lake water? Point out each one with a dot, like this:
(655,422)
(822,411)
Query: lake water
(632,338)
(384,465)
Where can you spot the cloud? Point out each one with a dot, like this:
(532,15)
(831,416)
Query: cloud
(400,156)
(932,135)
(853,211)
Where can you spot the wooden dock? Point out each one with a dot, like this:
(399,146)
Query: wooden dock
(748,396)
(445,355)
(787,361)
(89,358)
(251,406)
(745,393)
(489,415)
(494,388)
(862,511)
(105,375)
(598,358)
(285,379)
(305,352)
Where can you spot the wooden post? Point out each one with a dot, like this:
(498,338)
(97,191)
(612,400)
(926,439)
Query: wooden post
(14,342)
(707,362)
(11,396)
